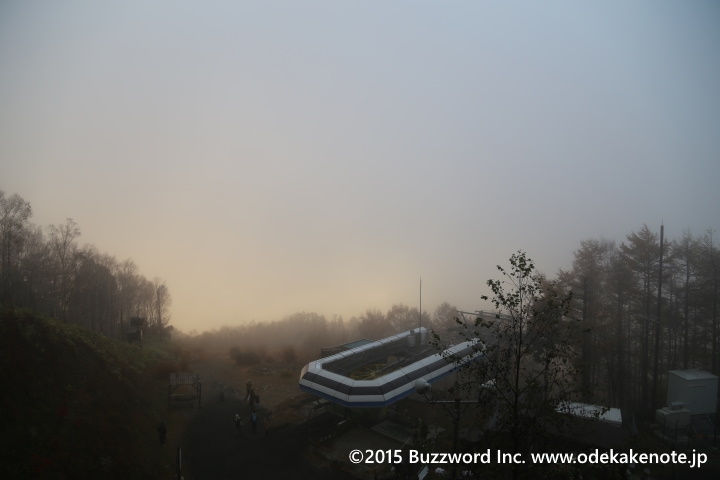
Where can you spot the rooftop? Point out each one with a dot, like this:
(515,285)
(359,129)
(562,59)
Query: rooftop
(693,374)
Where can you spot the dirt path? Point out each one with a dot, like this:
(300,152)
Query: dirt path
(213,449)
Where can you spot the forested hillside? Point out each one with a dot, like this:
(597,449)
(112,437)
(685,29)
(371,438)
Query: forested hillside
(76,404)
(46,270)
(648,305)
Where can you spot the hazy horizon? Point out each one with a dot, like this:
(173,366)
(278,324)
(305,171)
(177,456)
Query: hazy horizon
(267,158)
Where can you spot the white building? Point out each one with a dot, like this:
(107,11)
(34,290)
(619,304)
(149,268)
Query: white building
(694,390)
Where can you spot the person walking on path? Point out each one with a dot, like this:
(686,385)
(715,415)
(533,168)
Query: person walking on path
(248,389)
(238,424)
(268,417)
(253,421)
(162,433)
(253,399)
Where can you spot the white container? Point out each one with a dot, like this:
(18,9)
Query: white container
(668,417)
(696,389)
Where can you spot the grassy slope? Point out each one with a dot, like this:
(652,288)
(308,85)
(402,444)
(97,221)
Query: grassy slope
(76,404)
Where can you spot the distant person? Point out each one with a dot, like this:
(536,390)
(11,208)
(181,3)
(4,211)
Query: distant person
(248,389)
(162,433)
(253,422)
(251,402)
(222,396)
(238,424)
(268,418)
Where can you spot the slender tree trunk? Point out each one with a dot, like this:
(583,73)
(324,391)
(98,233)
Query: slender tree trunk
(658,329)
(686,353)
(645,349)
(621,351)
(714,310)
(694,349)
(586,345)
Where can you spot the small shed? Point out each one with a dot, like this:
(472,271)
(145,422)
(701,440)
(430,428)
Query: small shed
(695,390)
(190,382)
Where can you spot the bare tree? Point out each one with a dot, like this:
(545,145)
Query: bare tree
(711,294)
(50,273)
(373,325)
(127,277)
(530,364)
(14,215)
(161,305)
(684,256)
(92,300)
(641,254)
(63,247)
(444,317)
(34,261)
(402,318)
(590,279)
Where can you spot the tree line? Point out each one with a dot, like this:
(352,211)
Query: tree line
(606,332)
(310,332)
(47,271)
(648,305)
(644,306)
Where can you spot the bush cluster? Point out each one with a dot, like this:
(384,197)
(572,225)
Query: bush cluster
(249,357)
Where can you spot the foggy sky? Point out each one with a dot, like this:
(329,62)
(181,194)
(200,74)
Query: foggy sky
(271,157)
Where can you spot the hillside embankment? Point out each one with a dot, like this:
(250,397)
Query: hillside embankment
(76,404)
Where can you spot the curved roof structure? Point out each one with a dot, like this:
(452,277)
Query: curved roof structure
(382,372)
